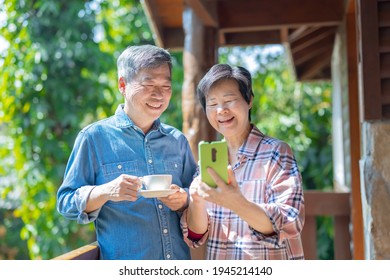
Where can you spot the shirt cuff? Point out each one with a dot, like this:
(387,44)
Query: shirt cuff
(82,195)
(192,243)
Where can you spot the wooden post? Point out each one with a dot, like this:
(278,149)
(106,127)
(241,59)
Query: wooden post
(355,134)
(200,53)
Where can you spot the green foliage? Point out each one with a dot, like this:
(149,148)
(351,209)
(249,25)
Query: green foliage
(60,75)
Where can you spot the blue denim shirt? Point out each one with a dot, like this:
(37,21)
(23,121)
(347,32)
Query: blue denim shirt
(144,229)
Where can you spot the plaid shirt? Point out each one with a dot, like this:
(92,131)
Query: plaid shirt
(268,175)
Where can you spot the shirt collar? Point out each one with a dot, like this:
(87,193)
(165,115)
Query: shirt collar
(122,121)
(252,143)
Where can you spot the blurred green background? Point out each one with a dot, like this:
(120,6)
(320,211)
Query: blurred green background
(58,74)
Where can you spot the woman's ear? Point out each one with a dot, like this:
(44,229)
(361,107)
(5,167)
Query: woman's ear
(250,103)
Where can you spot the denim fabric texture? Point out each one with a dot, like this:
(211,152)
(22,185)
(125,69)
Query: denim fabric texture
(141,230)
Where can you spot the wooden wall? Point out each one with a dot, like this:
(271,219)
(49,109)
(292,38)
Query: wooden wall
(374,58)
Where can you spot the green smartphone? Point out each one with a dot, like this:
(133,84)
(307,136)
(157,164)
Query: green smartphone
(215,155)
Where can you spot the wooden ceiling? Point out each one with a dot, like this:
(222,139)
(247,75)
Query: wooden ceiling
(306,28)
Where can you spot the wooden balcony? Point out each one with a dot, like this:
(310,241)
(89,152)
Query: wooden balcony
(317,203)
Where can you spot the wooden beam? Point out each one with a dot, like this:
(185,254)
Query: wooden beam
(149,7)
(251,38)
(205,10)
(369,63)
(284,35)
(235,15)
(317,35)
(302,56)
(313,69)
(297,33)
(173,38)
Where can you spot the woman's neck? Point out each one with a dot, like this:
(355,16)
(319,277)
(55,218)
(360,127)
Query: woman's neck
(235,142)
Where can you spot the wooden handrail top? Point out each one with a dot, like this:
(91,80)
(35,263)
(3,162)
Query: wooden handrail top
(320,203)
(87,252)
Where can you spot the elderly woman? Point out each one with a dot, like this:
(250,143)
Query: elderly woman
(259,214)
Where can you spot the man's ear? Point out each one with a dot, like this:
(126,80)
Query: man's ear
(122,85)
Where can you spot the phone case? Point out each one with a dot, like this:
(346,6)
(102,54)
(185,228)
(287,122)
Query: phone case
(215,155)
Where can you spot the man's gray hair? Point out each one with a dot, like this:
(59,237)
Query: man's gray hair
(135,58)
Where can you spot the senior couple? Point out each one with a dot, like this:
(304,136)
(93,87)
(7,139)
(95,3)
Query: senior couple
(259,214)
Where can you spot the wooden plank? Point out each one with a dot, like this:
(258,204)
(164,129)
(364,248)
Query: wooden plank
(342,250)
(384,13)
(87,252)
(385,63)
(386,111)
(309,238)
(251,38)
(386,91)
(319,203)
(369,66)
(313,37)
(234,15)
(313,69)
(384,38)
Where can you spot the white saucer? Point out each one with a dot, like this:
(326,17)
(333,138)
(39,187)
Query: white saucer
(156,193)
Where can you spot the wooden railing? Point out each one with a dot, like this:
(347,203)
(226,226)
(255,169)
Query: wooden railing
(333,204)
(317,203)
(87,252)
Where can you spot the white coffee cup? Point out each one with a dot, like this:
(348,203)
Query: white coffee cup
(157,181)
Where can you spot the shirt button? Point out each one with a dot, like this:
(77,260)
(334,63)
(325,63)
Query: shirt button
(150,161)
(160,206)
(146,140)
(165,230)
(175,165)
(168,256)
(119,166)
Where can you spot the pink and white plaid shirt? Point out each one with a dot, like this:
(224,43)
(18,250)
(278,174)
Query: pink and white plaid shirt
(268,175)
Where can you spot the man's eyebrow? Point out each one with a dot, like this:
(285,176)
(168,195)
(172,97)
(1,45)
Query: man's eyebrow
(151,78)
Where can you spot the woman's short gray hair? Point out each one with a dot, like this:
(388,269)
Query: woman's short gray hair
(221,72)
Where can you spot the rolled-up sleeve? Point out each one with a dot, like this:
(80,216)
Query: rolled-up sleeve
(184,226)
(78,182)
(285,201)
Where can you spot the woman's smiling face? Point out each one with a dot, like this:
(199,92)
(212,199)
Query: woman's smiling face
(226,109)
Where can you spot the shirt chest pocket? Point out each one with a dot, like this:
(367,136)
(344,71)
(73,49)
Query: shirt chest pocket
(172,166)
(254,190)
(113,170)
